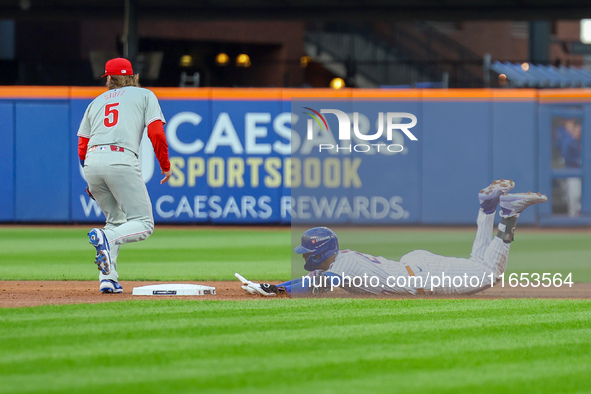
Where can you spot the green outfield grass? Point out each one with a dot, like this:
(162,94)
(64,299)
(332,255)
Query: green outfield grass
(288,345)
(299,346)
(170,254)
(206,253)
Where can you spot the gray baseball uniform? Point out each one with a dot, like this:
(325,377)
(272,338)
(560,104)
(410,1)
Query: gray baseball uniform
(434,273)
(114,123)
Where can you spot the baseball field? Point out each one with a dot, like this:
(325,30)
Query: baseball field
(61,335)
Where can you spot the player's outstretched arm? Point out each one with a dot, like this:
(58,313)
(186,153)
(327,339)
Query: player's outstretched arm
(264,289)
(302,285)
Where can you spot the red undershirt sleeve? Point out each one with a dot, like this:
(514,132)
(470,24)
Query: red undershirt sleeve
(158,138)
(82,147)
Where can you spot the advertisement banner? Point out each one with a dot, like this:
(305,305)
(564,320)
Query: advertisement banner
(228,161)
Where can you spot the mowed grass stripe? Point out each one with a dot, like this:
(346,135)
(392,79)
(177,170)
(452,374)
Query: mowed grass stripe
(215,312)
(522,376)
(24,242)
(217,318)
(261,368)
(264,254)
(285,343)
(30,360)
(169,254)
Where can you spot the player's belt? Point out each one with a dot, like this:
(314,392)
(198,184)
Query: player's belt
(411,273)
(114,148)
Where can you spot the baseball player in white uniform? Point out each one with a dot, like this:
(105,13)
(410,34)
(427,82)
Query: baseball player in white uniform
(418,272)
(108,144)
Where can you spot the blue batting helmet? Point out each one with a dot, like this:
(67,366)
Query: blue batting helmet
(321,243)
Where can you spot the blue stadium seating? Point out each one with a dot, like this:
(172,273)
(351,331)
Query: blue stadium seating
(542,76)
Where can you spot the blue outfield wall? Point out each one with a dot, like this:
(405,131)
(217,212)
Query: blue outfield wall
(42,167)
(457,156)
(7,131)
(231,158)
(514,153)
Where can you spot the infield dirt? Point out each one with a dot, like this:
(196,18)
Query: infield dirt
(14,294)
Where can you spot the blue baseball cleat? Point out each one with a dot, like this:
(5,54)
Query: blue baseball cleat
(97,238)
(489,196)
(110,286)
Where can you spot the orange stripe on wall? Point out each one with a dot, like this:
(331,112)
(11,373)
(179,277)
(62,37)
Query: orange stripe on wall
(162,93)
(182,93)
(90,92)
(457,94)
(324,93)
(35,92)
(387,94)
(564,95)
(515,94)
(256,94)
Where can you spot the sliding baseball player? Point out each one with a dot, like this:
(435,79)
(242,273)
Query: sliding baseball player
(418,272)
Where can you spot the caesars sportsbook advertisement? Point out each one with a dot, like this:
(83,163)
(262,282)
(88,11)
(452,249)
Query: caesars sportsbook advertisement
(301,161)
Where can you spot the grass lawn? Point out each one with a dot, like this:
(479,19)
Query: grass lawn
(206,253)
(286,345)
(169,254)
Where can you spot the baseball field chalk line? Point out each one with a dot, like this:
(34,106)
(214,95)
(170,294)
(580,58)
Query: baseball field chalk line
(176,289)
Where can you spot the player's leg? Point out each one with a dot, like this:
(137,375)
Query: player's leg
(489,200)
(114,255)
(125,182)
(458,276)
(441,275)
(484,233)
(114,217)
(497,254)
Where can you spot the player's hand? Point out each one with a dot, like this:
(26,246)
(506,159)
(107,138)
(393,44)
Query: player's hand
(167,175)
(264,289)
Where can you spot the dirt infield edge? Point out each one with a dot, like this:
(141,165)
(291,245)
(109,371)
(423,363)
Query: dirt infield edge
(14,294)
